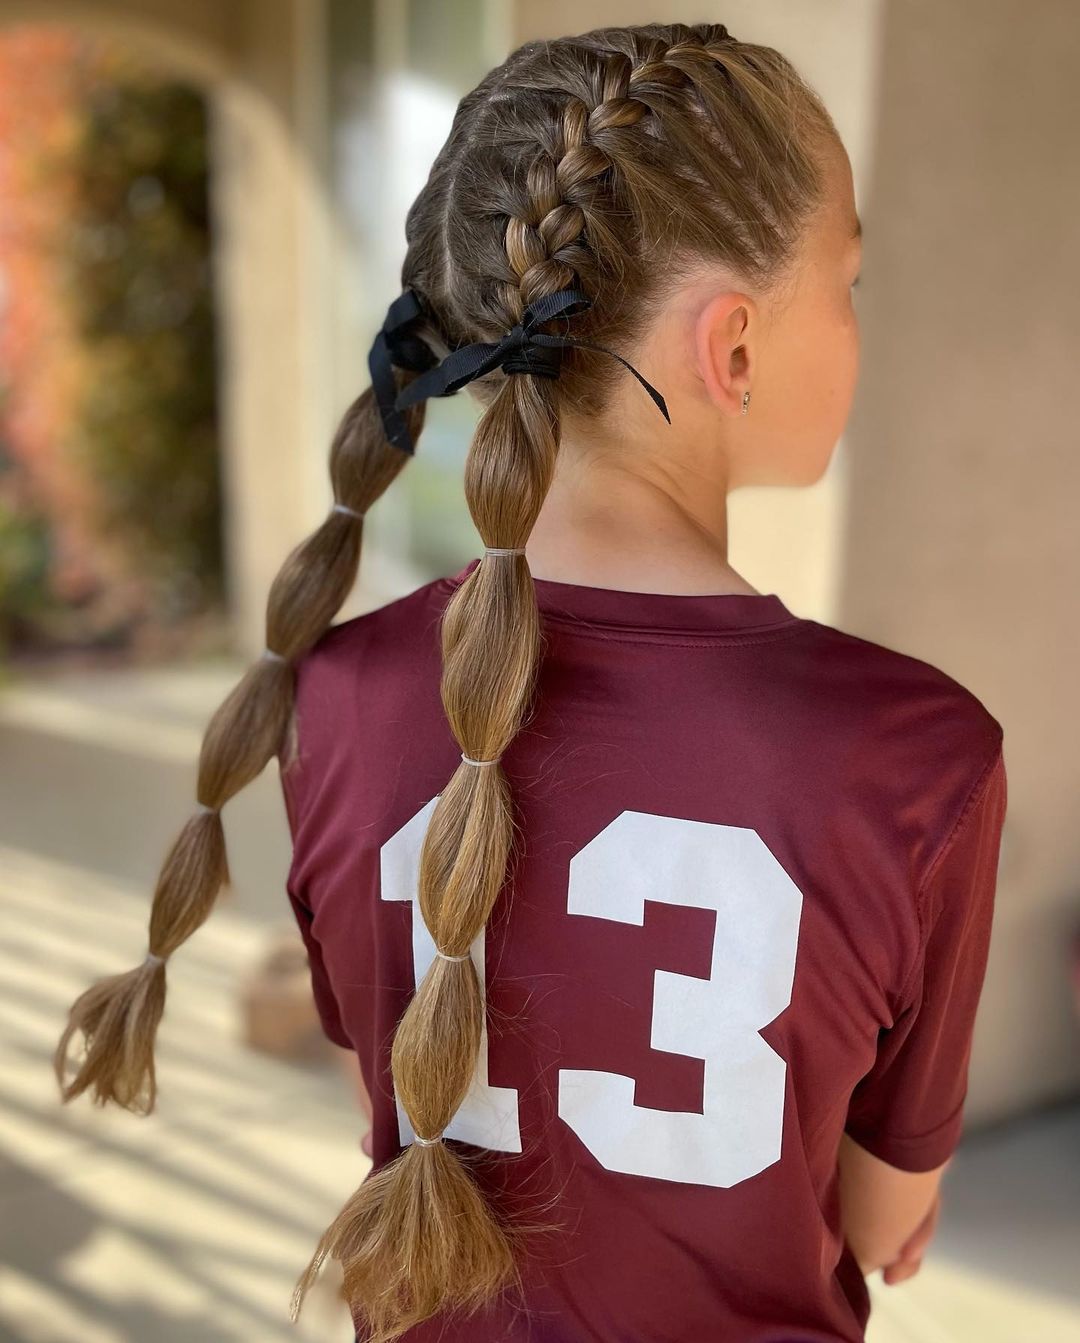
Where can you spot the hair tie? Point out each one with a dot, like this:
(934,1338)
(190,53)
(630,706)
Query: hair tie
(154,959)
(522,350)
(443,955)
(479,763)
(203,807)
(504,550)
(427,1142)
(268,655)
(349,512)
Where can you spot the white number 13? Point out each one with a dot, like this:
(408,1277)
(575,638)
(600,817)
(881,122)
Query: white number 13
(639,857)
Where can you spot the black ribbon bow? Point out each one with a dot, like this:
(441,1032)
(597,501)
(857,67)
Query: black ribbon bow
(523,349)
(397,345)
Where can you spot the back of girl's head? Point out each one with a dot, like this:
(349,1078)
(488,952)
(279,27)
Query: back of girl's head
(610,163)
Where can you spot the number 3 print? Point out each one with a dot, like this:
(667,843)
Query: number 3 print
(639,857)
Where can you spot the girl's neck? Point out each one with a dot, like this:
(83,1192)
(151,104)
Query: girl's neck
(604,526)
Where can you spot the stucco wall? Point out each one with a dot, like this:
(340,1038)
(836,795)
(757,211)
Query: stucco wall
(960,540)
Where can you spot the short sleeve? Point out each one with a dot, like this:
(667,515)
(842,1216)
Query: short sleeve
(908,1109)
(325,1002)
(322,991)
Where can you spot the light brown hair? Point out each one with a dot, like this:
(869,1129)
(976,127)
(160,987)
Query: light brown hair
(613,162)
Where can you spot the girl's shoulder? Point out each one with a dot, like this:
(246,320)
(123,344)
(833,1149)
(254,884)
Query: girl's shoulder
(899,690)
(389,636)
(900,733)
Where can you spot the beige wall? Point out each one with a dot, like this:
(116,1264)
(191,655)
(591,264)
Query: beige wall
(274,263)
(960,531)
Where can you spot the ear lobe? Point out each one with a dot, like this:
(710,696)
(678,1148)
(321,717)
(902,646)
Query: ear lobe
(722,356)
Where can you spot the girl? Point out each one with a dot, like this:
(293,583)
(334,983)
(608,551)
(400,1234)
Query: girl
(656,914)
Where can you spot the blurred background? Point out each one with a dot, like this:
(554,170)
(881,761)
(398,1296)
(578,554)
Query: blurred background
(201,223)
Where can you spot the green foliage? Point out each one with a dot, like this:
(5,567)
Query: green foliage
(24,569)
(138,255)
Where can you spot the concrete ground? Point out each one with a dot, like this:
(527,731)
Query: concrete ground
(192,1224)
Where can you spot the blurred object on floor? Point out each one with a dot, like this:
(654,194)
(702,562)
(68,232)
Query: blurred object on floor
(276,1004)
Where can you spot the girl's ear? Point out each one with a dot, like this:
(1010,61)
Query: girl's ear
(722,349)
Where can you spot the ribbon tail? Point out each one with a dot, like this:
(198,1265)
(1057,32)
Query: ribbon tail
(658,400)
(384,385)
(458,368)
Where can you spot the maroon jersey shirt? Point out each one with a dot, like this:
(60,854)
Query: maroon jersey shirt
(750,908)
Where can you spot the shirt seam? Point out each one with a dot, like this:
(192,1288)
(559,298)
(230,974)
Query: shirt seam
(677,638)
(974,797)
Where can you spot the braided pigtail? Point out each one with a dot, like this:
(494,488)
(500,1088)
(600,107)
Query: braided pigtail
(118,1016)
(417,1236)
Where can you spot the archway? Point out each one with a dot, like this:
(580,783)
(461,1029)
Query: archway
(272,220)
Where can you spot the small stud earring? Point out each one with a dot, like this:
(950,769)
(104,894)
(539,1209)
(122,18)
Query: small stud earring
(745,402)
